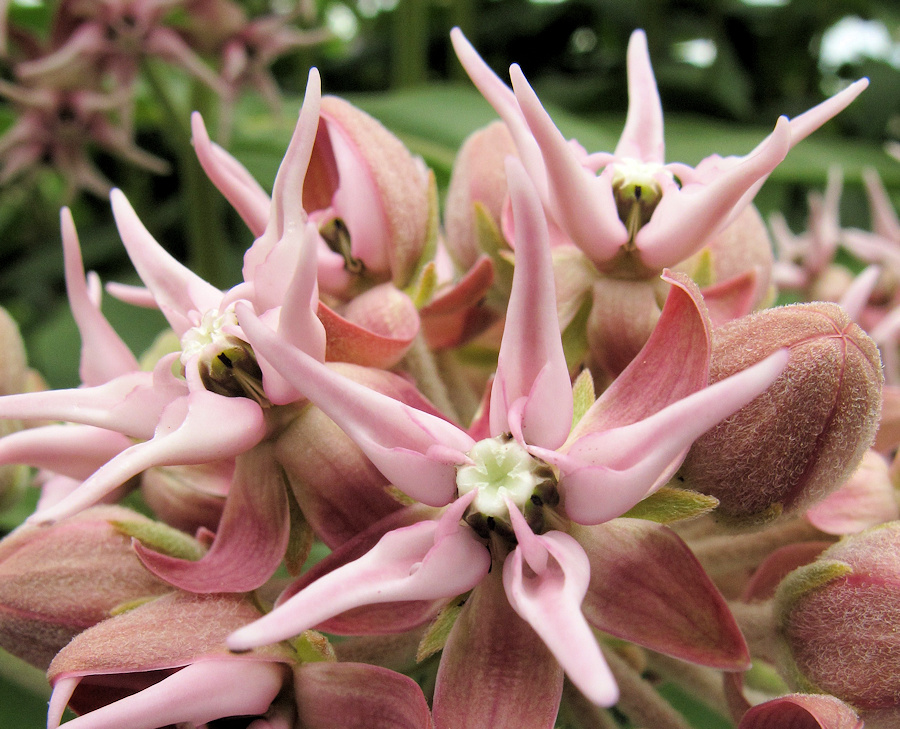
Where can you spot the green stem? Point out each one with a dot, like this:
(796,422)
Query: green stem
(420,363)
(410,43)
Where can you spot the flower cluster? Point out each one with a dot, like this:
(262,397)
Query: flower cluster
(620,495)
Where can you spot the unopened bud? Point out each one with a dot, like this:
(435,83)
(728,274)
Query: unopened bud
(805,435)
(837,620)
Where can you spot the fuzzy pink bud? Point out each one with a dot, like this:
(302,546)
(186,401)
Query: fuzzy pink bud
(837,620)
(58,580)
(803,437)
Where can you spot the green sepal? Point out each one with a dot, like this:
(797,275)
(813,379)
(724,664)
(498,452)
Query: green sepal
(492,242)
(423,291)
(429,249)
(162,538)
(703,270)
(672,504)
(574,336)
(132,604)
(804,580)
(439,630)
(313,647)
(583,395)
(301,537)
(763,677)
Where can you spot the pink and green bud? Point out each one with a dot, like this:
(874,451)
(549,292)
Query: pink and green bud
(803,437)
(837,621)
(58,580)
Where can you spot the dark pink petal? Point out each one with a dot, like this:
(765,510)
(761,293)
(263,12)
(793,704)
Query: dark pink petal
(416,451)
(231,178)
(531,365)
(72,450)
(582,203)
(801,711)
(647,587)
(778,565)
(685,218)
(170,46)
(605,473)
(251,538)
(426,561)
(196,429)
(547,594)
(732,298)
(642,138)
(199,693)
(457,314)
(331,695)
(104,356)
(495,671)
(177,289)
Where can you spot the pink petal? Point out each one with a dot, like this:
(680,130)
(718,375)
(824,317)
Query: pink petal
(104,356)
(642,138)
(134,295)
(459,313)
(806,123)
(231,178)
(196,429)
(857,295)
(197,694)
(418,562)
(606,473)
(170,46)
(251,538)
(549,598)
(177,290)
(333,695)
(647,587)
(582,203)
(778,565)
(801,711)
(494,670)
(884,220)
(731,299)
(72,450)
(396,437)
(531,363)
(685,218)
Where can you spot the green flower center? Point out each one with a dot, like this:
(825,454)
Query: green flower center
(637,191)
(501,468)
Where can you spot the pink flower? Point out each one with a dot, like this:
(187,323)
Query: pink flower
(523,488)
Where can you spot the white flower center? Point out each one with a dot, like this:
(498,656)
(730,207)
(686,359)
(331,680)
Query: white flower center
(501,468)
(208,336)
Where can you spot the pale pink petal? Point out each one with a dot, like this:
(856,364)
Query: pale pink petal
(606,473)
(177,289)
(685,218)
(72,450)
(426,561)
(884,220)
(531,363)
(134,295)
(582,203)
(104,356)
(549,600)
(199,693)
(170,46)
(806,123)
(231,178)
(199,428)
(251,539)
(396,437)
(642,138)
(857,295)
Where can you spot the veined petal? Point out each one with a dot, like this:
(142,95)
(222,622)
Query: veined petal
(231,178)
(71,450)
(396,437)
(606,473)
(426,561)
(531,362)
(197,694)
(549,600)
(104,356)
(177,289)
(251,538)
(642,138)
(582,203)
(199,428)
(685,218)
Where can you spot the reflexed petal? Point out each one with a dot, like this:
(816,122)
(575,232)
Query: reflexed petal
(642,138)
(606,473)
(531,363)
(333,695)
(72,450)
(104,356)
(548,597)
(495,671)
(251,538)
(884,220)
(199,693)
(732,298)
(177,289)
(647,587)
(196,429)
(396,437)
(857,295)
(806,123)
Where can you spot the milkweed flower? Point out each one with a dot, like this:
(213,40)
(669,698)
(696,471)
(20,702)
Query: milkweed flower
(528,494)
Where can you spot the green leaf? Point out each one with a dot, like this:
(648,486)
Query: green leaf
(672,504)
(436,635)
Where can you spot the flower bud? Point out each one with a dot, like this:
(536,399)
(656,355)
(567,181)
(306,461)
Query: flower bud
(837,621)
(803,437)
(58,580)
(188,497)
